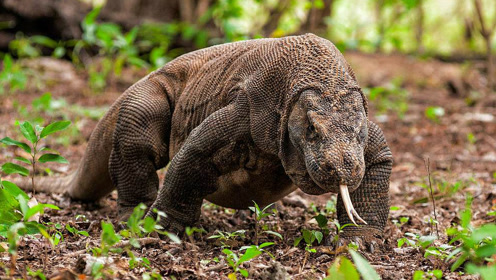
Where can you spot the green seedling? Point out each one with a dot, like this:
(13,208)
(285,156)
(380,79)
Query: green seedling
(190,231)
(434,113)
(236,261)
(343,268)
(34,136)
(428,275)
(12,77)
(390,98)
(260,214)
(228,238)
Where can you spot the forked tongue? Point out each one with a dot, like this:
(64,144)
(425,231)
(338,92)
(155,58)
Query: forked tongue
(350,210)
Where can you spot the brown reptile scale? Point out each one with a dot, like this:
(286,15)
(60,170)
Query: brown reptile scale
(244,121)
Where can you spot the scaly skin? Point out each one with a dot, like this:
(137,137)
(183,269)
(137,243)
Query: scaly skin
(244,121)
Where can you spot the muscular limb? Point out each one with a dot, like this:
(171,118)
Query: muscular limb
(371,199)
(192,174)
(140,145)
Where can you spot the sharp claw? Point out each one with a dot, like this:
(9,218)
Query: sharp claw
(350,210)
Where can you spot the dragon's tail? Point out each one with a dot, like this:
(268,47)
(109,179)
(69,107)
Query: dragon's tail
(45,184)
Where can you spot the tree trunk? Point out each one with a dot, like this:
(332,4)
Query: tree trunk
(419,34)
(315,21)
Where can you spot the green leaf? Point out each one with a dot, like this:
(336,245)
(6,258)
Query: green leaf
(342,269)
(244,272)
(174,238)
(54,127)
(12,168)
(318,235)
(44,41)
(52,158)
(274,233)
(418,275)
(38,208)
(486,272)
(13,189)
(363,266)
(250,253)
(437,273)
(12,142)
(321,220)
(28,131)
(265,244)
(22,159)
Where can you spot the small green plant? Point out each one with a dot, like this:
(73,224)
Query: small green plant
(428,275)
(12,77)
(17,218)
(190,231)
(343,268)
(309,236)
(75,231)
(442,187)
(227,239)
(260,214)
(471,138)
(137,227)
(475,246)
(392,97)
(34,136)
(115,47)
(416,240)
(236,261)
(434,113)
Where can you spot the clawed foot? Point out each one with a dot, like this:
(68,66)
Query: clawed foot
(367,240)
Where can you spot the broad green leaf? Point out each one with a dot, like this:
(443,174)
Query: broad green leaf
(363,266)
(486,272)
(250,253)
(23,204)
(28,131)
(342,269)
(244,272)
(265,244)
(318,235)
(54,127)
(52,158)
(22,159)
(485,231)
(109,236)
(437,273)
(418,275)
(13,189)
(11,142)
(39,208)
(174,238)
(321,220)
(274,233)
(44,41)
(12,168)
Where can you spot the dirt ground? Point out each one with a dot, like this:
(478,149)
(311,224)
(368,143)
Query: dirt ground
(460,145)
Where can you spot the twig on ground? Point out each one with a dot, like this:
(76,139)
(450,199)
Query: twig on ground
(427,165)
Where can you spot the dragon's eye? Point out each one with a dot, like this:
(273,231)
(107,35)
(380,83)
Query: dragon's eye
(362,136)
(312,132)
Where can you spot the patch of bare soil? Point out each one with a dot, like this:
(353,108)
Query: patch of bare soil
(461,147)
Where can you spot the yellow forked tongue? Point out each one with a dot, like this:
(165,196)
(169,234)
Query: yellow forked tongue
(350,210)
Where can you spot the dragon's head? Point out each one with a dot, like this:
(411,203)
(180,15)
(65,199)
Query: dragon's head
(328,135)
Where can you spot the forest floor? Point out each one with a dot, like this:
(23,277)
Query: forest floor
(460,146)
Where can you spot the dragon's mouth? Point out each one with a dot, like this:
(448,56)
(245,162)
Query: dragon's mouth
(350,210)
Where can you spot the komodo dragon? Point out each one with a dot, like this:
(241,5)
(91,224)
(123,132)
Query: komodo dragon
(240,122)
